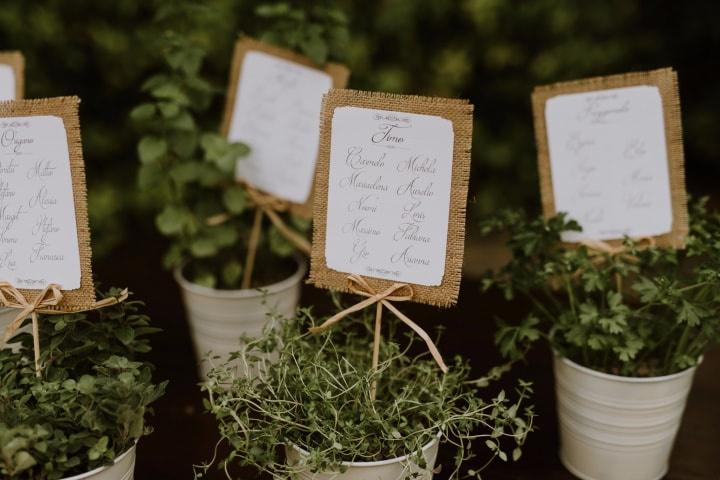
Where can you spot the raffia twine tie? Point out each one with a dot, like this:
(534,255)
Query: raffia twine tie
(270,206)
(45,302)
(398,292)
(598,247)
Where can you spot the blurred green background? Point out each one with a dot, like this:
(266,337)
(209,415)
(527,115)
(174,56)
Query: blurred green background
(491,51)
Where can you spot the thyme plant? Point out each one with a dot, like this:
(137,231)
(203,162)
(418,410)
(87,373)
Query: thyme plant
(317,396)
(647,311)
(90,405)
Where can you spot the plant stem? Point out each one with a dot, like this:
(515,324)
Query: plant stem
(376,349)
(252,249)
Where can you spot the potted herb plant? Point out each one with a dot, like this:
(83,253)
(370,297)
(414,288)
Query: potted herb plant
(628,327)
(311,414)
(83,417)
(188,171)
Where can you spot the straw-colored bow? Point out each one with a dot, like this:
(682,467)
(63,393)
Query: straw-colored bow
(12,298)
(359,286)
(45,302)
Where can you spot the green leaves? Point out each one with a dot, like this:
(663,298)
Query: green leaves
(172,220)
(187,169)
(317,396)
(235,199)
(646,311)
(91,403)
(318,31)
(151,149)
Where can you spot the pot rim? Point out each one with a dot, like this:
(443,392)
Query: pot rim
(241,293)
(117,460)
(620,378)
(378,463)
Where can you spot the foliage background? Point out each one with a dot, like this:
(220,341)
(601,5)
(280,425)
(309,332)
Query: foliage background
(490,51)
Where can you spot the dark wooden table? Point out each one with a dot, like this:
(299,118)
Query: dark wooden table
(184,435)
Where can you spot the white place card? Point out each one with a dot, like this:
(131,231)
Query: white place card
(389,194)
(610,155)
(38,229)
(7,82)
(609,162)
(391,191)
(277,113)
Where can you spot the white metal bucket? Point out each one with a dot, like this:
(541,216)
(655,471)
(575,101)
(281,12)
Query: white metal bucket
(394,469)
(122,469)
(618,428)
(219,317)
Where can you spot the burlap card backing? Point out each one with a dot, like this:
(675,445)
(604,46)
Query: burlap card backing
(666,81)
(460,112)
(339,74)
(17,62)
(67,109)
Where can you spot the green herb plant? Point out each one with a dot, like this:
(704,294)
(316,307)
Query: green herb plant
(188,168)
(316,395)
(91,403)
(648,311)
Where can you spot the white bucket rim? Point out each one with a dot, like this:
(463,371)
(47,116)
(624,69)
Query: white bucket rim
(117,460)
(378,463)
(620,378)
(241,293)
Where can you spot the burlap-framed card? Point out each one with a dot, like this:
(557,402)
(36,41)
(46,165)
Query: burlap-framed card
(44,231)
(273,105)
(391,193)
(12,76)
(610,154)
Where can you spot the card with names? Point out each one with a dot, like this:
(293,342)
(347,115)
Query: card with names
(12,65)
(610,156)
(44,234)
(392,187)
(273,106)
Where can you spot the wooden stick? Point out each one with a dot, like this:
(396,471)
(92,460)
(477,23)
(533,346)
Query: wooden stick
(252,249)
(36,342)
(376,348)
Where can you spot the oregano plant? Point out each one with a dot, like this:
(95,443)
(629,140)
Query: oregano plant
(188,169)
(645,311)
(92,401)
(314,392)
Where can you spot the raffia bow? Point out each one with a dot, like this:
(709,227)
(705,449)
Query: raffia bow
(46,303)
(359,286)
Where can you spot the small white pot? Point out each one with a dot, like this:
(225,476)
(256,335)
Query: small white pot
(122,469)
(618,428)
(394,469)
(218,318)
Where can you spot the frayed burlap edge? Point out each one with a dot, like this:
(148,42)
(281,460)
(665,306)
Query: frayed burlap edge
(67,109)
(17,62)
(339,74)
(666,81)
(460,112)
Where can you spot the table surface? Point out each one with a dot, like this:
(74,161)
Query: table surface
(184,435)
